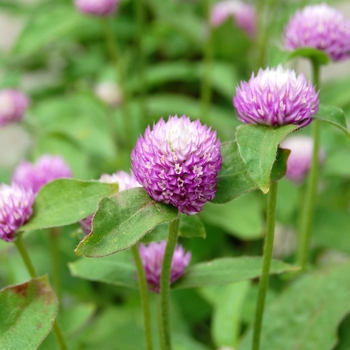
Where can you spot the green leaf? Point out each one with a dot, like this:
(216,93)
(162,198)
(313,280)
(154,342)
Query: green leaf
(66,201)
(27,314)
(227,270)
(120,222)
(257,145)
(191,226)
(306,315)
(234,179)
(314,55)
(332,115)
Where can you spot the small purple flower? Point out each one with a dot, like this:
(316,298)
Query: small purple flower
(46,169)
(15,209)
(13,105)
(276,96)
(178,162)
(321,27)
(125,182)
(152,256)
(299,160)
(97,7)
(243,15)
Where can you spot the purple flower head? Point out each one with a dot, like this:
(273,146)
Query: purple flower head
(13,105)
(152,256)
(15,209)
(125,182)
(100,8)
(178,162)
(321,27)
(299,160)
(242,14)
(276,96)
(46,169)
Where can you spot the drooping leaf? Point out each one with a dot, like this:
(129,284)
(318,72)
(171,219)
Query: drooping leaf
(65,201)
(120,222)
(332,115)
(318,56)
(27,313)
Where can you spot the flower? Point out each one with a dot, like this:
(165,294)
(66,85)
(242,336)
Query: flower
(125,182)
(321,27)
(178,162)
(299,160)
(15,209)
(243,15)
(276,96)
(109,93)
(97,7)
(152,256)
(46,169)
(13,105)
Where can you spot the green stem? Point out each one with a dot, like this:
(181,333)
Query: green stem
(164,323)
(55,259)
(144,296)
(267,255)
(19,243)
(208,63)
(119,70)
(307,212)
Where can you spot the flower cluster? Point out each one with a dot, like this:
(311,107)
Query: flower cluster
(276,96)
(99,8)
(321,27)
(178,162)
(13,105)
(152,257)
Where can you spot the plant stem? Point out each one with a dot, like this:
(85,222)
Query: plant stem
(267,255)
(19,243)
(165,285)
(55,259)
(307,212)
(144,296)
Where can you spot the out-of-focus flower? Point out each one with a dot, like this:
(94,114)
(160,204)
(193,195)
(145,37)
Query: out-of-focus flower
(109,93)
(97,7)
(299,160)
(15,209)
(242,14)
(321,27)
(13,105)
(125,182)
(46,169)
(178,162)
(276,96)
(152,256)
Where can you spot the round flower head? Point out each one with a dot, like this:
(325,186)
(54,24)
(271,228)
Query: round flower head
(242,14)
(321,27)
(152,256)
(13,105)
(125,182)
(15,209)
(97,7)
(46,169)
(178,162)
(299,160)
(109,93)
(276,96)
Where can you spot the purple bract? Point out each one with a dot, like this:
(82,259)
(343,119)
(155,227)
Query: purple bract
(15,209)
(97,7)
(178,162)
(321,27)
(13,105)
(152,256)
(276,96)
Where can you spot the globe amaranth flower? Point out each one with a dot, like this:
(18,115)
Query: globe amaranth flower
(276,96)
(99,8)
(125,182)
(13,105)
(299,160)
(152,256)
(178,162)
(242,14)
(109,93)
(15,209)
(46,169)
(321,27)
